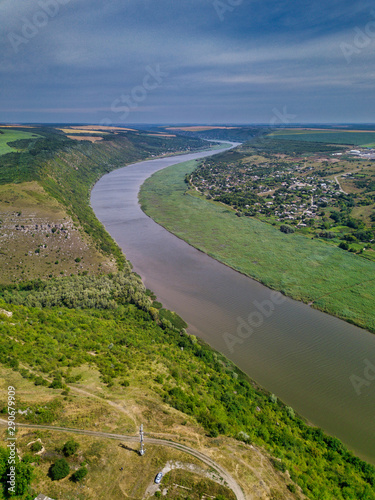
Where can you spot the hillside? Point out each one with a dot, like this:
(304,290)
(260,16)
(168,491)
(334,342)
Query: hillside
(49,229)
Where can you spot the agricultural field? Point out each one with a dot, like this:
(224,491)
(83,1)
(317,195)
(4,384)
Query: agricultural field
(350,137)
(304,268)
(9,135)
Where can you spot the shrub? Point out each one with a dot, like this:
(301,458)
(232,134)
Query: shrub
(344,245)
(79,474)
(286,229)
(37,446)
(40,381)
(278,465)
(70,447)
(59,469)
(57,383)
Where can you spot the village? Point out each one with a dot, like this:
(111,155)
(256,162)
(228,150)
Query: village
(322,195)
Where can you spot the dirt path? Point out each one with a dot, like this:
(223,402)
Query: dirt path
(229,481)
(340,188)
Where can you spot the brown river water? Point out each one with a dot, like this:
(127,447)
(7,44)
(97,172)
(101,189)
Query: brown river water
(321,366)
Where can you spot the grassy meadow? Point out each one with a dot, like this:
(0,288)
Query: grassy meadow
(329,278)
(10,135)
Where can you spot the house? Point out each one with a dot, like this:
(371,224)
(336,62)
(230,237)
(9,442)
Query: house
(42,497)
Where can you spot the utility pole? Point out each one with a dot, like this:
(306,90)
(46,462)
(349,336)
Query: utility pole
(142,451)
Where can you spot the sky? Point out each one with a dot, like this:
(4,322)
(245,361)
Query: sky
(187,61)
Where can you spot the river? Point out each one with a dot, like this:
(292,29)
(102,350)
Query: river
(318,364)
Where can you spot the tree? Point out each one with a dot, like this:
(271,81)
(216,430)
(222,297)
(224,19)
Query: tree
(286,229)
(23,473)
(59,470)
(70,447)
(79,474)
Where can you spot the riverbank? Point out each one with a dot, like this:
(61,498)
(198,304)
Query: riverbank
(325,277)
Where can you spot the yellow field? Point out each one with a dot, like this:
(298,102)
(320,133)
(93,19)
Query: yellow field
(78,131)
(84,138)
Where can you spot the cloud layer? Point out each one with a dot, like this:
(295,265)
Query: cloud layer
(214,61)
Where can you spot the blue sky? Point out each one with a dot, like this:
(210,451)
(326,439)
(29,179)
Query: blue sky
(187,61)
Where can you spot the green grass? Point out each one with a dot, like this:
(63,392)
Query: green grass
(329,136)
(334,280)
(12,135)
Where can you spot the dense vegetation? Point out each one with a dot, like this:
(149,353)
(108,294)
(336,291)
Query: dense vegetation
(270,145)
(12,140)
(24,475)
(127,339)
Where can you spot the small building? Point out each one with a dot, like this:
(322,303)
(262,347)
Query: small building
(42,497)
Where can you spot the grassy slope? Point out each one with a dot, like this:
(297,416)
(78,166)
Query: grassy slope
(9,135)
(333,280)
(137,373)
(33,243)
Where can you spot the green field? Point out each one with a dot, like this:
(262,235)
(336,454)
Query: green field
(7,136)
(328,136)
(333,280)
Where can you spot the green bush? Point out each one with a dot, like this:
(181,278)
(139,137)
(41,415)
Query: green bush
(79,474)
(70,447)
(37,446)
(59,469)
(286,229)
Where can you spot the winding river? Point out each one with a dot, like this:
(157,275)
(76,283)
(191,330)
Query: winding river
(321,366)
